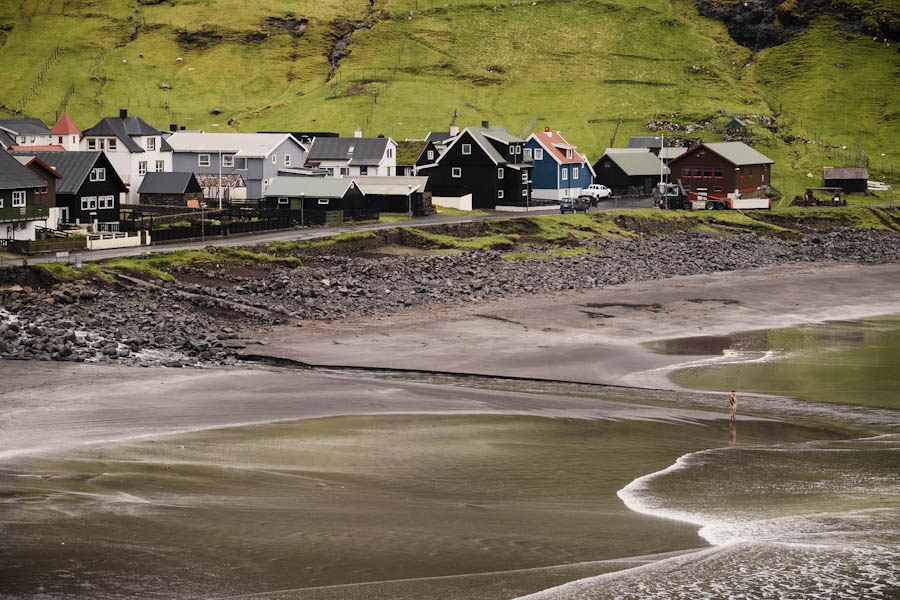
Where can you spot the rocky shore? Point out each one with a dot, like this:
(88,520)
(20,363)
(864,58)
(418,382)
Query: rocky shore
(198,319)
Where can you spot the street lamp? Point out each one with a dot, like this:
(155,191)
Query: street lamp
(392,129)
(882,161)
(409,192)
(302,197)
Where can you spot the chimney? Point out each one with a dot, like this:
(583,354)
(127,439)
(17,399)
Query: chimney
(454,130)
(173,127)
(357,133)
(485,124)
(381,135)
(548,132)
(123,113)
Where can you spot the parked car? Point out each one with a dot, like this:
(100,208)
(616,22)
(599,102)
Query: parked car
(573,205)
(597,191)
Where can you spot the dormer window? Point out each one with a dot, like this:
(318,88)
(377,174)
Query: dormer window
(350,149)
(150,143)
(568,153)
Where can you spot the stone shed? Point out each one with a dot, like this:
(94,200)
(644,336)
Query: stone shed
(171,189)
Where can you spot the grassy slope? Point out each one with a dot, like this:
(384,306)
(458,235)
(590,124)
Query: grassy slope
(580,64)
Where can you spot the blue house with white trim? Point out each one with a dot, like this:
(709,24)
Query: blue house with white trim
(559,170)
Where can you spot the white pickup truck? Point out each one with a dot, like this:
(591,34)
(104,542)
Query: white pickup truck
(597,191)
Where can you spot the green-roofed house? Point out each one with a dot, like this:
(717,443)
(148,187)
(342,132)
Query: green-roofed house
(629,170)
(722,168)
(316,200)
(408,153)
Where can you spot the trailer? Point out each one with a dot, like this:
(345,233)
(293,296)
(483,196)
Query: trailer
(700,201)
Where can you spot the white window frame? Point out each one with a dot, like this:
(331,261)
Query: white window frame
(228,160)
(569,153)
(430,155)
(538,154)
(517,149)
(89,203)
(283,200)
(575,173)
(1,202)
(525,192)
(142,167)
(287,160)
(563,173)
(524,177)
(499,194)
(390,152)
(92,144)
(150,143)
(456,172)
(323,200)
(160,166)
(466,149)
(345,171)
(203,160)
(500,172)
(112,144)
(98,174)
(364,170)
(106,202)
(526,154)
(18,198)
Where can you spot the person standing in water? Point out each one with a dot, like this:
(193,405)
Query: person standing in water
(732,400)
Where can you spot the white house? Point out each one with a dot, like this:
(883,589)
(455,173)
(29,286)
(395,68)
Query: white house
(66,134)
(15,133)
(354,156)
(133,147)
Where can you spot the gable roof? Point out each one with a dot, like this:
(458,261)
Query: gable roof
(167,183)
(27,161)
(74,168)
(636,164)
(25,126)
(408,152)
(14,175)
(438,136)
(390,186)
(556,146)
(6,140)
(480,135)
(250,145)
(311,187)
(64,126)
(645,141)
(123,128)
(738,153)
(845,173)
(359,151)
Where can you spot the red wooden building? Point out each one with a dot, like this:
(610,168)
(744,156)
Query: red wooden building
(722,168)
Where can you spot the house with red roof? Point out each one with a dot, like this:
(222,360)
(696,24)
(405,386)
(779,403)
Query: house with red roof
(560,171)
(65,133)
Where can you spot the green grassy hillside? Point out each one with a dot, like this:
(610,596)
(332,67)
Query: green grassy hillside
(578,64)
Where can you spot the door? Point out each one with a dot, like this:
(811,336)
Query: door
(64,214)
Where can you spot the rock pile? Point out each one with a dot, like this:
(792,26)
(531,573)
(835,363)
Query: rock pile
(190,324)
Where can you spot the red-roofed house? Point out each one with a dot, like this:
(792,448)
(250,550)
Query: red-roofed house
(52,148)
(65,133)
(560,171)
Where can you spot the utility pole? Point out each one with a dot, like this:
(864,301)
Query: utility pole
(891,193)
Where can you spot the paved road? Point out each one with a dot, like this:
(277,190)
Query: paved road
(320,232)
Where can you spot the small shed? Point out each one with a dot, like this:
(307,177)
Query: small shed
(633,169)
(397,194)
(852,180)
(317,200)
(736,124)
(171,189)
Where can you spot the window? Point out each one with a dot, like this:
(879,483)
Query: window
(568,153)
(717,172)
(524,177)
(698,172)
(18,198)
(390,152)
(323,200)
(150,143)
(274,159)
(98,174)
(707,172)
(527,154)
(345,171)
(287,160)
(607,165)
(500,194)
(456,172)
(574,172)
(467,148)
(524,192)
(228,160)
(330,171)
(517,149)
(538,154)
(282,201)
(350,149)
(1,202)
(240,163)
(203,160)
(500,173)
(88,202)
(92,143)
(687,171)
(142,167)
(364,170)
(160,166)
(565,174)
(106,202)
(59,140)
(430,154)
(41,191)
(111,144)
(718,188)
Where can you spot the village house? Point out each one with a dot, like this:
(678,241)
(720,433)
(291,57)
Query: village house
(27,131)
(851,180)
(90,191)
(354,156)
(482,167)
(65,135)
(20,214)
(559,170)
(315,200)
(722,168)
(133,147)
(625,170)
(408,153)
(235,167)
(398,194)
(171,189)
(47,196)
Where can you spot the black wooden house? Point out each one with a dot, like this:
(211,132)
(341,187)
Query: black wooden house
(849,179)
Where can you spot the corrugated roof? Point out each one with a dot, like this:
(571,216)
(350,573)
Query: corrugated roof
(638,163)
(73,166)
(626,150)
(739,153)
(668,153)
(311,187)
(5,140)
(123,129)
(845,173)
(645,141)
(390,186)
(360,151)
(166,183)
(25,126)
(65,126)
(14,175)
(250,145)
